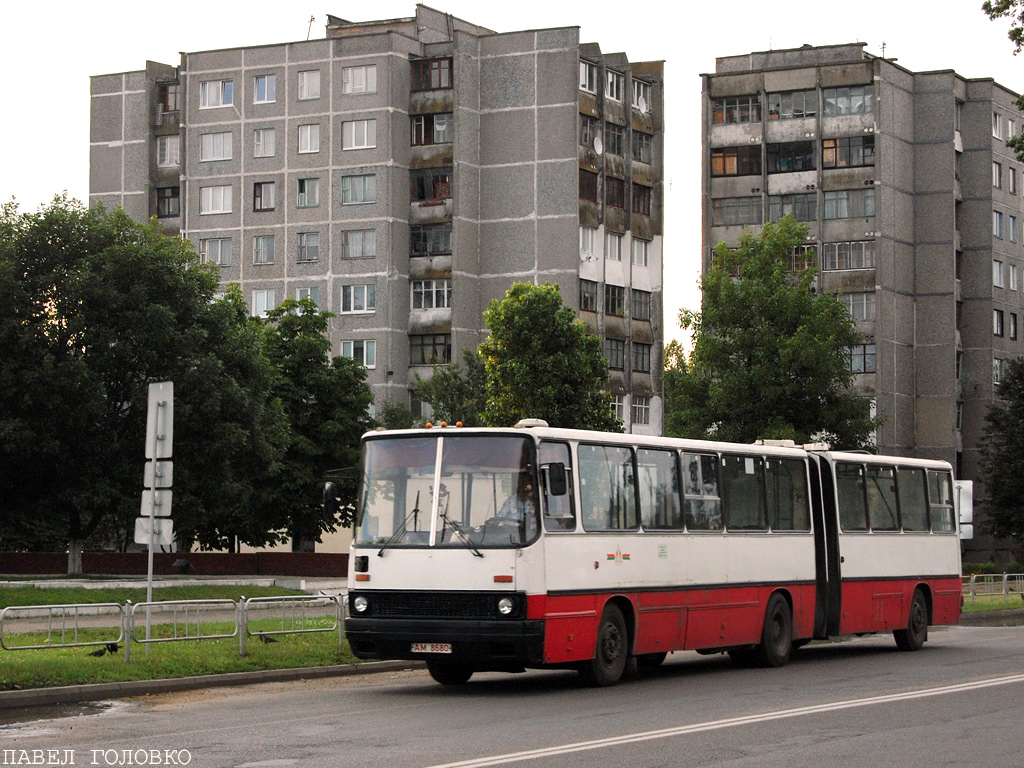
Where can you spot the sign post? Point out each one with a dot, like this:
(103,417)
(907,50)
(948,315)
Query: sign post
(152,528)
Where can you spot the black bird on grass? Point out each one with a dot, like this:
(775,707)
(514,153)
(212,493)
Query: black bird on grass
(266,639)
(98,652)
(113,647)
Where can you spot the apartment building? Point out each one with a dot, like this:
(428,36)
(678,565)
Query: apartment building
(914,207)
(403,173)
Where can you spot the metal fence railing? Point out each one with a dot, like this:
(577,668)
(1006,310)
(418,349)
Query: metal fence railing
(71,625)
(1008,586)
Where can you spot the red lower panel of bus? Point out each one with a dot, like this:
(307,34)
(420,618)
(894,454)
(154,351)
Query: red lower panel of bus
(884,605)
(668,620)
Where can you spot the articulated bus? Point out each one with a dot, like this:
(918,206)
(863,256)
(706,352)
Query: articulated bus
(489,549)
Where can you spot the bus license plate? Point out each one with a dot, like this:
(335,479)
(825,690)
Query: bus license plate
(431,647)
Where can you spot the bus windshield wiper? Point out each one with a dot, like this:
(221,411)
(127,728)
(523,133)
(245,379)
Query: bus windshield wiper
(446,521)
(414,513)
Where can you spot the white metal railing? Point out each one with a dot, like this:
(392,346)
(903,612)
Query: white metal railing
(1008,585)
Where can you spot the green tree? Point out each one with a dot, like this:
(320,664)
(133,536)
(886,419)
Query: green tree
(1014,11)
(673,380)
(457,392)
(95,307)
(770,357)
(1002,457)
(541,362)
(327,403)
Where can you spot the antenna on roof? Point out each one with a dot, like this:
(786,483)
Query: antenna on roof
(883,50)
(310,30)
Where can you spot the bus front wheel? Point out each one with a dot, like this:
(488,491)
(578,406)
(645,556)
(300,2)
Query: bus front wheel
(449,674)
(914,636)
(611,653)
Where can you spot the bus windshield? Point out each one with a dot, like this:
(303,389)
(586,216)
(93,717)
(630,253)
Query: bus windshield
(465,491)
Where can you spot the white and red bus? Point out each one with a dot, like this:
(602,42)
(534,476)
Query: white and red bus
(482,549)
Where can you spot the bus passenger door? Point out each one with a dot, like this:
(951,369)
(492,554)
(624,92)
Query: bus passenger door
(828,574)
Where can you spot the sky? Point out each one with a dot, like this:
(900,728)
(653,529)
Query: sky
(44,121)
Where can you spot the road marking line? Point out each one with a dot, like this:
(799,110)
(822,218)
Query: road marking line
(713,725)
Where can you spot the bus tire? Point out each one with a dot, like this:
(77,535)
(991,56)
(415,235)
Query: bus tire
(776,634)
(914,636)
(449,674)
(611,653)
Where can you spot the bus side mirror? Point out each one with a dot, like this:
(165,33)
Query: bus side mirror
(554,479)
(330,499)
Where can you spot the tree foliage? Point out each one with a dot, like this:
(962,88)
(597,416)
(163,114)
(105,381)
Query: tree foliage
(542,363)
(1002,457)
(673,380)
(1014,11)
(770,358)
(457,392)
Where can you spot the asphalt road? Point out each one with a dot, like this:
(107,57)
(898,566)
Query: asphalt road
(850,704)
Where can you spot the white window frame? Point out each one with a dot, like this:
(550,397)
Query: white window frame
(860,305)
(216,250)
(640,409)
(1013,277)
(368,356)
(361,79)
(640,252)
(588,246)
(588,76)
(352,295)
(435,293)
(997,224)
(367,191)
(997,125)
(264,142)
(262,302)
(997,175)
(269,89)
(168,151)
(307,193)
(214,147)
(615,82)
(359,134)
(309,246)
(613,246)
(267,195)
(309,85)
(1012,228)
(309,138)
(641,88)
(997,273)
(359,243)
(216,93)
(215,199)
(997,370)
(263,249)
(312,292)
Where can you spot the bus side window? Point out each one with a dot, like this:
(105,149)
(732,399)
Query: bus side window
(853,510)
(743,493)
(913,500)
(607,487)
(786,486)
(559,509)
(659,489)
(700,488)
(882,509)
(940,501)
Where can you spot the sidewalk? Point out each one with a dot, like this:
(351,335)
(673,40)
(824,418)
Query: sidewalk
(312,585)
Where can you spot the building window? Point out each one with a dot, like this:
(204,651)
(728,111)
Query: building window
(359,79)
(430,185)
(614,300)
(588,296)
(997,175)
(167,151)
(216,93)
(432,129)
(997,224)
(640,302)
(615,351)
(263,196)
(861,306)
(359,243)
(613,246)
(168,95)
(614,138)
(643,147)
(430,349)
(958,114)
(803,207)
(588,77)
(997,273)
(263,142)
(588,186)
(431,294)
(431,74)
(265,90)
(640,251)
(736,109)
(359,134)
(640,410)
(642,199)
(309,246)
(614,192)
(613,85)
(263,249)
(619,407)
(790,157)
(363,351)
(1011,181)
(313,294)
(168,202)
(1013,326)
(641,95)
(358,298)
(803,257)
(216,250)
(793,105)
(309,85)
(215,146)
(308,193)
(997,370)
(641,357)
(997,322)
(850,204)
(849,100)
(587,252)
(848,152)
(358,189)
(309,138)
(431,239)
(857,254)
(736,211)
(736,161)
(1013,277)
(589,127)
(1013,229)
(262,302)
(861,358)
(215,199)
(997,125)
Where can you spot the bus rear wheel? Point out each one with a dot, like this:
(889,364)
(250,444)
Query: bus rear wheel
(449,674)
(914,636)
(611,653)
(776,634)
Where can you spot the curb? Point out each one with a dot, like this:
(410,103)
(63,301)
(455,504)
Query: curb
(1012,617)
(70,694)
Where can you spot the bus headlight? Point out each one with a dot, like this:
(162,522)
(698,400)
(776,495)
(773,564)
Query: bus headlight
(360,604)
(505,606)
